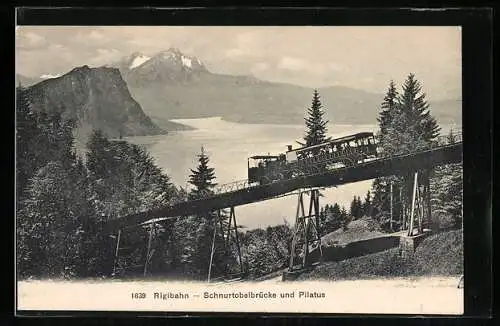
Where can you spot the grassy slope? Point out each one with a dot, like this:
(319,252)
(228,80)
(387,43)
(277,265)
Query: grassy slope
(439,254)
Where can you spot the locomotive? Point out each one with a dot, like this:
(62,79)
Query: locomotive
(332,154)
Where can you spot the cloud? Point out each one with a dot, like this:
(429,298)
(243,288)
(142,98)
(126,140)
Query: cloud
(261,70)
(105,56)
(29,40)
(367,80)
(95,35)
(306,55)
(250,44)
(294,64)
(35,39)
(234,53)
(260,66)
(334,66)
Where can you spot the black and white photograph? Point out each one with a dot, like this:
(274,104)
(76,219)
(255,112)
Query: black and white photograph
(267,169)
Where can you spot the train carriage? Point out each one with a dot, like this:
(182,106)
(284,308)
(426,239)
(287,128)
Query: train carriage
(334,153)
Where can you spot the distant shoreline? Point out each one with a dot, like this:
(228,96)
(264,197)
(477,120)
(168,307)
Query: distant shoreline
(185,121)
(182,121)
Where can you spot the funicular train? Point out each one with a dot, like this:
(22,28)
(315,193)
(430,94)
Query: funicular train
(332,154)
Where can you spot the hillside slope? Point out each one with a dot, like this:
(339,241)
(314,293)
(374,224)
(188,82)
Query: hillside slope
(244,99)
(439,254)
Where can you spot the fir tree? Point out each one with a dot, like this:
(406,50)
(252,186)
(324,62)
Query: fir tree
(203,177)
(356,210)
(447,195)
(451,137)
(199,230)
(389,107)
(334,218)
(406,125)
(414,103)
(335,210)
(315,123)
(322,218)
(367,205)
(412,127)
(345,219)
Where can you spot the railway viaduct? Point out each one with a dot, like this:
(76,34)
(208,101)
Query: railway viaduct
(306,233)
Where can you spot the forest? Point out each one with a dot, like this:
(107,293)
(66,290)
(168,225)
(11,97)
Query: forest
(62,197)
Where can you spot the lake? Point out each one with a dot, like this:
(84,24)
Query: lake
(228,146)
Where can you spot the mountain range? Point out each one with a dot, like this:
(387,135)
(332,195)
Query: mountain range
(172,85)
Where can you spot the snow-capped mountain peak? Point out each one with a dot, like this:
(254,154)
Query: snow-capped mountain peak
(171,59)
(167,66)
(49,76)
(175,57)
(138,59)
(186,61)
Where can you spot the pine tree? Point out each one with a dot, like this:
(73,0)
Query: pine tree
(315,123)
(335,210)
(389,107)
(447,195)
(356,210)
(345,219)
(406,125)
(412,127)
(323,214)
(202,178)
(335,218)
(414,105)
(451,137)
(199,230)
(367,204)
(332,218)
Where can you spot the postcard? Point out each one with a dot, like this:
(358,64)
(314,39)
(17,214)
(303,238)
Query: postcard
(268,169)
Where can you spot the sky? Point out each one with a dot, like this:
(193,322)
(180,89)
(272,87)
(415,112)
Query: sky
(364,57)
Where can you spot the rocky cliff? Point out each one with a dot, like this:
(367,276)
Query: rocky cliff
(97,98)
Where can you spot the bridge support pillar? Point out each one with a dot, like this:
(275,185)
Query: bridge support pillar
(306,232)
(225,242)
(420,209)
(124,246)
(117,248)
(149,252)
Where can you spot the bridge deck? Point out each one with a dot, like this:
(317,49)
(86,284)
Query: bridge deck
(451,153)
